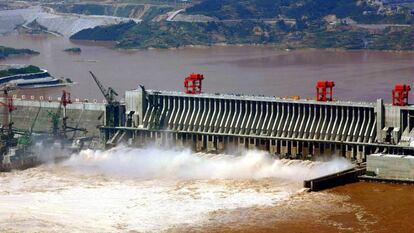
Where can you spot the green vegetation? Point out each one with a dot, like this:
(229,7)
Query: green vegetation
(24,70)
(308,10)
(73,50)
(173,34)
(106,33)
(178,34)
(155,11)
(97,9)
(7,51)
(284,23)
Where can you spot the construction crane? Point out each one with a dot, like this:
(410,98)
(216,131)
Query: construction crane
(55,117)
(113,113)
(109,93)
(8,106)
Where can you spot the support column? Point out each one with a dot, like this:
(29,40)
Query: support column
(158,139)
(251,143)
(220,144)
(200,143)
(242,144)
(349,153)
(360,153)
(317,149)
(272,147)
(328,149)
(379,109)
(179,140)
(294,149)
(305,149)
(210,144)
(284,148)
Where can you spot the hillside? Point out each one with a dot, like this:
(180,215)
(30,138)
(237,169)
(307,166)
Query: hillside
(308,10)
(348,24)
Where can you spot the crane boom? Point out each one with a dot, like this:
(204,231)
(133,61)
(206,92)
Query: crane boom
(8,105)
(109,93)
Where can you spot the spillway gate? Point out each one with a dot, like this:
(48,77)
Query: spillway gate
(288,127)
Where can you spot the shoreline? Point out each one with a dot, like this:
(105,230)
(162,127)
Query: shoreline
(280,47)
(274,46)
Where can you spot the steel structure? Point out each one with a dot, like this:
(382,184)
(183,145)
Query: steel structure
(324,90)
(400,94)
(109,93)
(193,83)
(288,127)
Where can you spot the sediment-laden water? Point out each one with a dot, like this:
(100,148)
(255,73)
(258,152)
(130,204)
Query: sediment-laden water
(359,75)
(129,190)
(149,189)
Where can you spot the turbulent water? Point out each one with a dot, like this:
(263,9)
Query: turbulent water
(148,189)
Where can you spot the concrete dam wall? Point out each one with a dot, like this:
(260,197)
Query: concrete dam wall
(295,128)
(80,115)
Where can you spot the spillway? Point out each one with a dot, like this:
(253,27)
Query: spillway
(295,128)
(217,123)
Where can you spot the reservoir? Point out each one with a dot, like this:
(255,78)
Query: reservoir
(153,189)
(359,75)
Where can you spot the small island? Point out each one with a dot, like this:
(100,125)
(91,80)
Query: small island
(73,50)
(6,52)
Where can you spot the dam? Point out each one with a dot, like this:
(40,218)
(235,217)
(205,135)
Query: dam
(290,127)
(215,123)
(36,114)
(378,133)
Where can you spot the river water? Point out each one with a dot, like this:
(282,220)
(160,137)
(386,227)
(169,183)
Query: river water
(148,189)
(359,75)
(151,190)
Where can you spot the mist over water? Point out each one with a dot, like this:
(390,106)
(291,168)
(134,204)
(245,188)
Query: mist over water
(156,163)
(149,189)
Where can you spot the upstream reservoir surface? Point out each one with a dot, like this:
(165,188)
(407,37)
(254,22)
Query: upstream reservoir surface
(359,75)
(154,189)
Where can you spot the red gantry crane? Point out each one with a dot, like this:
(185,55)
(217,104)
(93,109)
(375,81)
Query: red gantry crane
(324,90)
(8,106)
(193,83)
(400,94)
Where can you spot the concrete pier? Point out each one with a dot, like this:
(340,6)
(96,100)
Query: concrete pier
(220,122)
(289,127)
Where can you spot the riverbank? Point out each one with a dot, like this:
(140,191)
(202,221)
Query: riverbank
(167,34)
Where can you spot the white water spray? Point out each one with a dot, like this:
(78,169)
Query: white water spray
(148,190)
(150,163)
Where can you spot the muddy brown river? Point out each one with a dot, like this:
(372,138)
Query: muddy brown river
(154,190)
(359,75)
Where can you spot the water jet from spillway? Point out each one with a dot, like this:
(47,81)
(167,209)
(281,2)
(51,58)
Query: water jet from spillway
(155,163)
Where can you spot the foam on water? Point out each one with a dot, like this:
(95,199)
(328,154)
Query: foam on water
(152,163)
(147,190)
